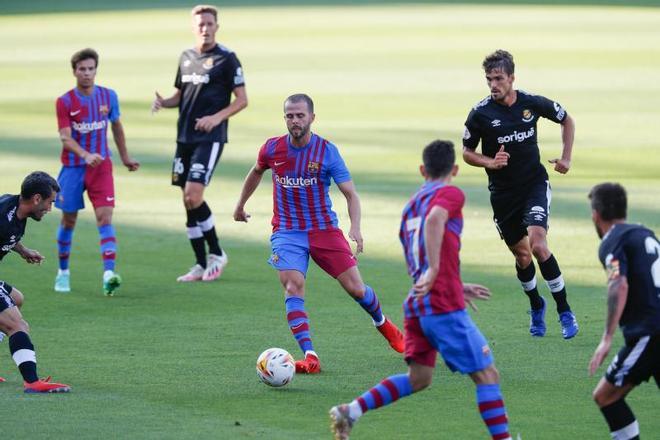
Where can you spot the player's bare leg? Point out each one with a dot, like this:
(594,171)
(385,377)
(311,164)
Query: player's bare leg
(352,283)
(618,415)
(526,273)
(64,239)
(294,291)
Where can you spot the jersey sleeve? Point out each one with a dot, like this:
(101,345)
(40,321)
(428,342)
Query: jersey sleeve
(615,262)
(471,132)
(62,111)
(262,157)
(450,198)
(236,71)
(549,109)
(114,114)
(337,167)
(177,80)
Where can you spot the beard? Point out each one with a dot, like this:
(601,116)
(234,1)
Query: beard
(302,132)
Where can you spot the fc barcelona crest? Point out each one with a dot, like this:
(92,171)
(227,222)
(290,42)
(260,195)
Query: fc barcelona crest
(104,109)
(313,167)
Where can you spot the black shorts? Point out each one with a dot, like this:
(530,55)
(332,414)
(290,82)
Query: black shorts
(515,210)
(195,162)
(5,298)
(636,362)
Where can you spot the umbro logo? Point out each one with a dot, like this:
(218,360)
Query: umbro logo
(495,122)
(10,214)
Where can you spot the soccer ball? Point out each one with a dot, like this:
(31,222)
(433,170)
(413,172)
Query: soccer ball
(275,367)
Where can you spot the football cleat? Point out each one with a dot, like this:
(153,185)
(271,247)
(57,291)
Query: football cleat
(537,321)
(310,365)
(194,274)
(62,282)
(393,335)
(341,422)
(215,264)
(111,281)
(569,325)
(45,386)
(2,379)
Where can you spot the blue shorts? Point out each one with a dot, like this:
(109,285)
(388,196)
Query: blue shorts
(97,181)
(454,335)
(328,248)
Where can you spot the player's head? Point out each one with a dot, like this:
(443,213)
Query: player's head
(299,115)
(205,24)
(84,64)
(438,160)
(38,192)
(609,204)
(499,69)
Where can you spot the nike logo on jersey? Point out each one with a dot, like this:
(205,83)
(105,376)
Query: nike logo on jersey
(74,113)
(277,164)
(109,199)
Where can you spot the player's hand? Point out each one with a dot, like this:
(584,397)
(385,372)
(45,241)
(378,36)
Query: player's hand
(425,282)
(500,160)
(157,104)
(561,165)
(131,164)
(600,354)
(356,236)
(93,159)
(475,291)
(31,256)
(207,123)
(240,215)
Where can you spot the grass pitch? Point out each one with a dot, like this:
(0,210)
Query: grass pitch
(165,360)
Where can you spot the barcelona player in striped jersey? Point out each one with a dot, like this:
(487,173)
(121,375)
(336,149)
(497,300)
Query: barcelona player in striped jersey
(434,310)
(83,116)
(304,224)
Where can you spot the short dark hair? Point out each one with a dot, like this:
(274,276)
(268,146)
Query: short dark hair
(301,97)
(439,158)
(84,54)
(205,9)
(609,200)
(40,183)
(500,59)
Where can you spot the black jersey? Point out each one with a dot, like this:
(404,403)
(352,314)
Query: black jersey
(633,251)
(206,81)
(514,127)
(11,228)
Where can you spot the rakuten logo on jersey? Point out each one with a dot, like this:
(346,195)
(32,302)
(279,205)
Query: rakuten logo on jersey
(516,136)
(195,78)
(86,127)
(295,182)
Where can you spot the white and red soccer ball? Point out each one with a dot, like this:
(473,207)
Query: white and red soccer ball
(276,367)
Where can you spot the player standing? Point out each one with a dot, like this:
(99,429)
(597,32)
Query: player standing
(207,76)
(83,115)
(630,253)
(38,192)
(520,193)
(305,225)
(435,315)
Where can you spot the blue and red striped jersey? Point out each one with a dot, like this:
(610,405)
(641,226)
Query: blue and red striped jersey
(88,117)
(301,180)
(446,295)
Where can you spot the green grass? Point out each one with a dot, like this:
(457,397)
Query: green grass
(163,360)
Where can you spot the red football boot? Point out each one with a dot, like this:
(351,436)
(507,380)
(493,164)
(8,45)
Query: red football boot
(310,365)
(393,335)
(2,379)
(45,386)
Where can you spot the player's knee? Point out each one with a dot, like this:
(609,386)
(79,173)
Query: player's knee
(68,222)
(540,251)
(294,288)
(420,382)
(192,199)
(601,399)
(17,297)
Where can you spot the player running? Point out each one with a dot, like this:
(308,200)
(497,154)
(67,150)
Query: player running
(207,76)
(83,116)
(304,224)
(38,192)
(630,253)
(435,315)
(520,193)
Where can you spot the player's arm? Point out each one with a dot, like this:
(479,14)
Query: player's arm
(160,102)
(563,164)
(250,184)
(208,123)
(471,157)
(70,144)
(120,141)
(29,255)
(475,291)
(434,232)
(617,294)
(354,213)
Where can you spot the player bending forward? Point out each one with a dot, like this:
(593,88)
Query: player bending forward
(435,315)
(305,225)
